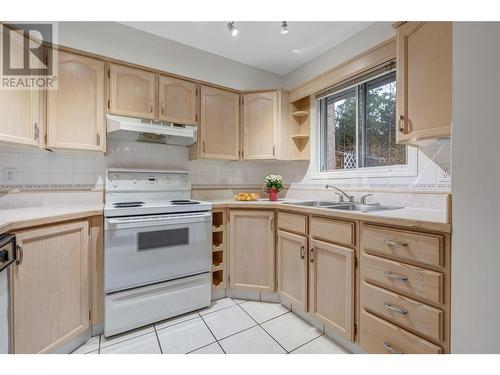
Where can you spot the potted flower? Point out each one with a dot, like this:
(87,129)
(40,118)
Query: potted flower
(274,183)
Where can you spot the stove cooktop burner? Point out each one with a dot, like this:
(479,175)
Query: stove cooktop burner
(183,201)
(128,204)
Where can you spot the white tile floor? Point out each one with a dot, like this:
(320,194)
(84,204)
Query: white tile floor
(230,326)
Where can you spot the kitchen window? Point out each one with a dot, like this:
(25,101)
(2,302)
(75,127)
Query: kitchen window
(357,129)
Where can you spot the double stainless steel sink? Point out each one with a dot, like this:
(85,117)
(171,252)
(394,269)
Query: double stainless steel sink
(344,206)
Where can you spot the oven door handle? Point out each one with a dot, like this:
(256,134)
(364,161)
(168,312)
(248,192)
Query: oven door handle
(155,219)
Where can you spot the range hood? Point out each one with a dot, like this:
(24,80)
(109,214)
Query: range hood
(130,128)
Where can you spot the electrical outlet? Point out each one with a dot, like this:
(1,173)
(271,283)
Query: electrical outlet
(9,175)
(445,174)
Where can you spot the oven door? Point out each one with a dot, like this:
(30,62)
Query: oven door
(143,250)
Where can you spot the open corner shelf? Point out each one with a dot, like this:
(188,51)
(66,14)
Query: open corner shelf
(300,113)
(300,136)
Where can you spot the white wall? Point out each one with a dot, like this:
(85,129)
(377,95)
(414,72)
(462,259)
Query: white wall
(368,38)
(125,43)
(475,288)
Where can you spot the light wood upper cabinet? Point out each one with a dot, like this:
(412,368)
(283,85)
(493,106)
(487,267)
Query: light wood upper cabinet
(267,132)
(260,125)
(292,268)
(21,111)
(132,92)
(76,110)
(331,283)
(219,124)
(178,100)
(251,250)
(51,287)
(424,79)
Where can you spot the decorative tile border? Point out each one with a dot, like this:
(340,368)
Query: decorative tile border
(50,187)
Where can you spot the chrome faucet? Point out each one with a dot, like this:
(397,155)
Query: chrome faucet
(341,193)
(363,198)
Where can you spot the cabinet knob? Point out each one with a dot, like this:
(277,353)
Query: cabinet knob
(302,255)
(311,257)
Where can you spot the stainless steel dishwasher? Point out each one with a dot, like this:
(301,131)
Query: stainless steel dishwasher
(7,258)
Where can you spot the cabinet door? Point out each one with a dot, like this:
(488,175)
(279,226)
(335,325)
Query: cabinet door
(178,100)
(51,287)
(331,270)
(260,125)
(132,92)
(75,111)
(220,111)
(21,111)
(292,268)
(251,250)
(424,75)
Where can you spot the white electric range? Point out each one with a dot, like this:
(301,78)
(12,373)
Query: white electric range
(157,248)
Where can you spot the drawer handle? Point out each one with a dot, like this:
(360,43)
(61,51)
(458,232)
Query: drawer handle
(19,255)
(395,276)
(392,243)
(397,309)
(390,349)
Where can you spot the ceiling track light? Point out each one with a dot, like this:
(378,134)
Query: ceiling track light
(284,27)
(232,29)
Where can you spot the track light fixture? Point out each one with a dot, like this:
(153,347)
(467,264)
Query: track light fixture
(232,29)
(284,27)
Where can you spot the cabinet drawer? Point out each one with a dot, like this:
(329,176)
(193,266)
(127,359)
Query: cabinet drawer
(404,278)
(340,232)
(380,337)
(417,247)
(402,310)
(292,222)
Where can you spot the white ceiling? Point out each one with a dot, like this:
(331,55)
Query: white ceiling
(259,44)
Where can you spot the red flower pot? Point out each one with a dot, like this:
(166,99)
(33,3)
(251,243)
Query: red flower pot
(273,195)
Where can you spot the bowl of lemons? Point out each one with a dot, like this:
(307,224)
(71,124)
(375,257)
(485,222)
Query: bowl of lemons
(247,196)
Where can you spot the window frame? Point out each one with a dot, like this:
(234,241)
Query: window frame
(409,169)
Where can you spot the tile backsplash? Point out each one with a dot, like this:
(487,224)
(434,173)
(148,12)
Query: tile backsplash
(31,169)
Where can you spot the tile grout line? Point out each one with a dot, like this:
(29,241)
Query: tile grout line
(264,328)
(307,342)
(215,338)
(158,339)
(130,338)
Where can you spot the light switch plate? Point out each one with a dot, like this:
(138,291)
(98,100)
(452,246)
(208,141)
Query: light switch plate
(9,175)
(445,173)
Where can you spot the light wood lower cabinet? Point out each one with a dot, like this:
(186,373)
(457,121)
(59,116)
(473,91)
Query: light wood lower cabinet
(251,250)
(51,300)
(292,268)
(75,111)
(331,286)
(381,337)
